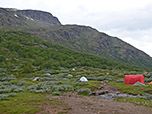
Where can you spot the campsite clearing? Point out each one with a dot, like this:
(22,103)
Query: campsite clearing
(72,103)
(62,92)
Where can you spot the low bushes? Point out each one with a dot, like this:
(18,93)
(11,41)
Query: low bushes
(148,96)
(108,78)
(84,91)
(148,80)
(50,87)
(8,88)
(81,83)
(4,96)
(6,78)
(96,78)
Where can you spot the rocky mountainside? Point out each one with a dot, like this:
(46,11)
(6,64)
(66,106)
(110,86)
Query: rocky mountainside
(91,41)
(80,38)
(14,17)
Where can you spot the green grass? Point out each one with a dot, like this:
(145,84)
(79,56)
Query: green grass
(22,53)
(127,88)
(24,102)
(93,85)
(136,101)
(58,104)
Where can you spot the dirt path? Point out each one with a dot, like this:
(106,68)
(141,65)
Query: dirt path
(91,105)
(105,89)
(76,104)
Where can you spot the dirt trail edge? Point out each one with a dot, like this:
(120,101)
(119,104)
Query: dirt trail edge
(76,104)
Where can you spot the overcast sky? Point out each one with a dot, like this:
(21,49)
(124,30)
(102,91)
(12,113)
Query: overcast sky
(130,20)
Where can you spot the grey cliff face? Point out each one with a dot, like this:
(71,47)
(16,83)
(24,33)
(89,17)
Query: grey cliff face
(14,17)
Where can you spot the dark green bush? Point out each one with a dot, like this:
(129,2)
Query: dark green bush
(84,91)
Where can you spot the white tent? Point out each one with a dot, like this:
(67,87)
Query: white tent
(83,79)
(48,74)
(73,69)
(36,79)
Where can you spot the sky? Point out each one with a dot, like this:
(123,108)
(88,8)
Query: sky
(129,20)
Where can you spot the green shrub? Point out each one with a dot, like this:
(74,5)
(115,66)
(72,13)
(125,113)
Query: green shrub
(7,78)
(56,93)
(40,91)
(119,81)
(96,78)
(6,83)
(84,91)
(18,90)
(44,87)
(12,94)
(7,90)
(81,83)
(7,87)
(69,76)
(64,71)
(48,79)
(2,58)
(109,78)
(21,83)
(63,88)
(3,96)
(148,96)
(26,69)
(148,80)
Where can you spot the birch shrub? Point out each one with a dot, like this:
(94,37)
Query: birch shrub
(5,96)
(49,87)
(84,91)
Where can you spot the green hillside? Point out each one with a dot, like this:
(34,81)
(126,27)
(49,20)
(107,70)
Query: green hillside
(25,53)
(37,58)
(83,39)
(88,40)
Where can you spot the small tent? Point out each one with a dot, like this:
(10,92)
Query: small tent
(132,79)
(73,69)
(138,84)
(36,79)
(83,79)
(150,83)
(48,74)
(107,73)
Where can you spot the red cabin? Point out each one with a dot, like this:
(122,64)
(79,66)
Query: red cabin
(132,79)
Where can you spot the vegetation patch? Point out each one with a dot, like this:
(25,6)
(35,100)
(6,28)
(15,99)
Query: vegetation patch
(22,53)
(136,100)
(130,89)
(84,91)
(24,102)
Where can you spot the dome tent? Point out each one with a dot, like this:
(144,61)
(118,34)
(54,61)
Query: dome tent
(83,79)
(132,79)
(48,74)
(139,84)
(36,79)
(73,69)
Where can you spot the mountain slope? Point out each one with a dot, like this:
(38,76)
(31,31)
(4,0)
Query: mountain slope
(89,40)
(14,17)
(80,38)
(21,52)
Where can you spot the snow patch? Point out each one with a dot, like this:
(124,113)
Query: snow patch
(29,18)
(32,19)
(15,15)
